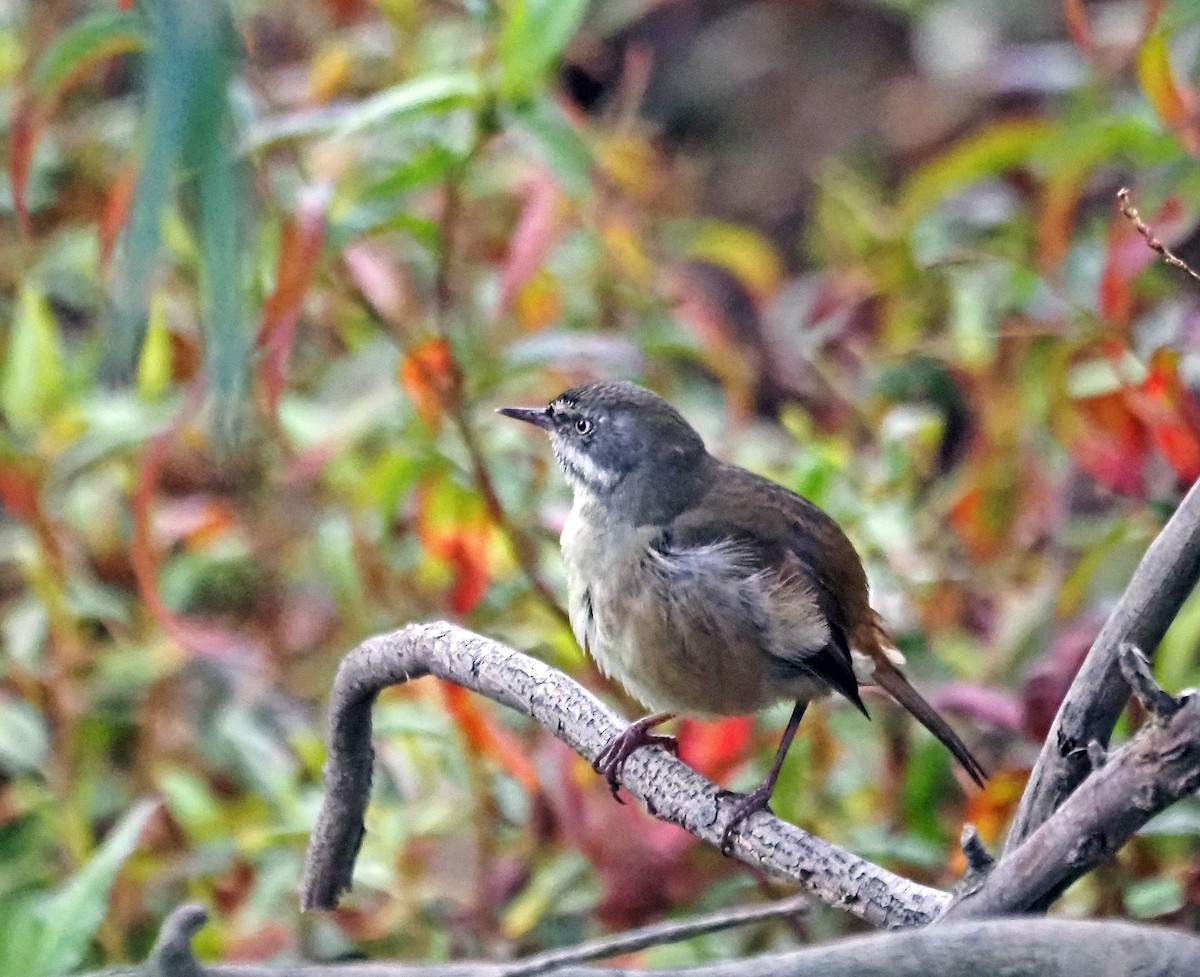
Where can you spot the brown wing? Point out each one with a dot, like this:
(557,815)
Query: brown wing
(777,533)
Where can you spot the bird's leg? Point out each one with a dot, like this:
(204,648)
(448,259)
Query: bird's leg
(757,799)
(611,759)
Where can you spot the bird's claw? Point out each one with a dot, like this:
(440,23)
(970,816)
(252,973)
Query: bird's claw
(611,760)
(746,805)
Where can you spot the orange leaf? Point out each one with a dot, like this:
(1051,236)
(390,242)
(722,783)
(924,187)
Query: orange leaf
(537,229)
(981,519)
(1056,219)
(488,737)
(116,210)
(453,526)
(430,377)
(992,808)
(299,249)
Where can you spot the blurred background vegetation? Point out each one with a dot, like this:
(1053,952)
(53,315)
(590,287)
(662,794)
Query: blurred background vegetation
(266,269)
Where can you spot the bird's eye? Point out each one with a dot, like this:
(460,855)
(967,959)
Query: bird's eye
(583,426)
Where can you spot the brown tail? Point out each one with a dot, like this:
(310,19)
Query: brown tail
(899,688)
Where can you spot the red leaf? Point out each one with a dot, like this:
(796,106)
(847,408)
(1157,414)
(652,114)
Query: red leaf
(488,737)
(1170,413)
(380,281)
(981,703)
(645,865)
(299,249)
(20,489)
(715,748)
(1078,25)
(1127,256)
(537,229)
(1108,441)
(25,129)
(1048,680)
(197,637)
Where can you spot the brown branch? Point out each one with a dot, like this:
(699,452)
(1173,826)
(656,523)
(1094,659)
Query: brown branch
(670,789)
(1147,233)
(1162,582)
(1158,767)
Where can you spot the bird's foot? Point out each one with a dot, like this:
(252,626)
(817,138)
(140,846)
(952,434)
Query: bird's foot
(611,759)
(746,805)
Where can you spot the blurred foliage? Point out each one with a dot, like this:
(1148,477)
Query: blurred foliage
(271,266)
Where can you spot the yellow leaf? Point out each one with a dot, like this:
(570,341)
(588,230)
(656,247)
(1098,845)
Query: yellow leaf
(33,377)
(992,151)
(625,249)
(1158,82)
(741,250)
(330,73)
(154,366)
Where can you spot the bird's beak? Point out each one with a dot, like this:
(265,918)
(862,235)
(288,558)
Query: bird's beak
(537,416)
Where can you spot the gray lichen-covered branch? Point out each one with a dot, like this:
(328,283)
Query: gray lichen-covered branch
(1165,577)
(1158,767)
(669,788)
(982,948)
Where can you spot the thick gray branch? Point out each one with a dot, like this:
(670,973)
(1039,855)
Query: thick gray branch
(1160,765)
(1162,582)
(990,948)
(670,789)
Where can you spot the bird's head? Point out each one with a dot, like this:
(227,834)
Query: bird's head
(616,440)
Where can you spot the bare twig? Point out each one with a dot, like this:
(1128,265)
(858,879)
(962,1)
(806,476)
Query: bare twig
(172,952)
(670,789)
(1136,670)
(1160,585)
(979,859)
(1159,766)
(656,935)
(1131,213)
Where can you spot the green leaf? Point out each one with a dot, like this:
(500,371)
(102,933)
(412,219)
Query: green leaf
(990,152)
(543,130)
(83,44)
(33,377)
(70,918)
(428,93)
(1148,898)
(532,38)
(24,740)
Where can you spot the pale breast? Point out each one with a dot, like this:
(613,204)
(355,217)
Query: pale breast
(685,631)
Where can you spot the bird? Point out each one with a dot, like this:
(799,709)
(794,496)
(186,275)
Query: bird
(706,589)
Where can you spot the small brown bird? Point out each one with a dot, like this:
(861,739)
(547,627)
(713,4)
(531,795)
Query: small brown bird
(706,589)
